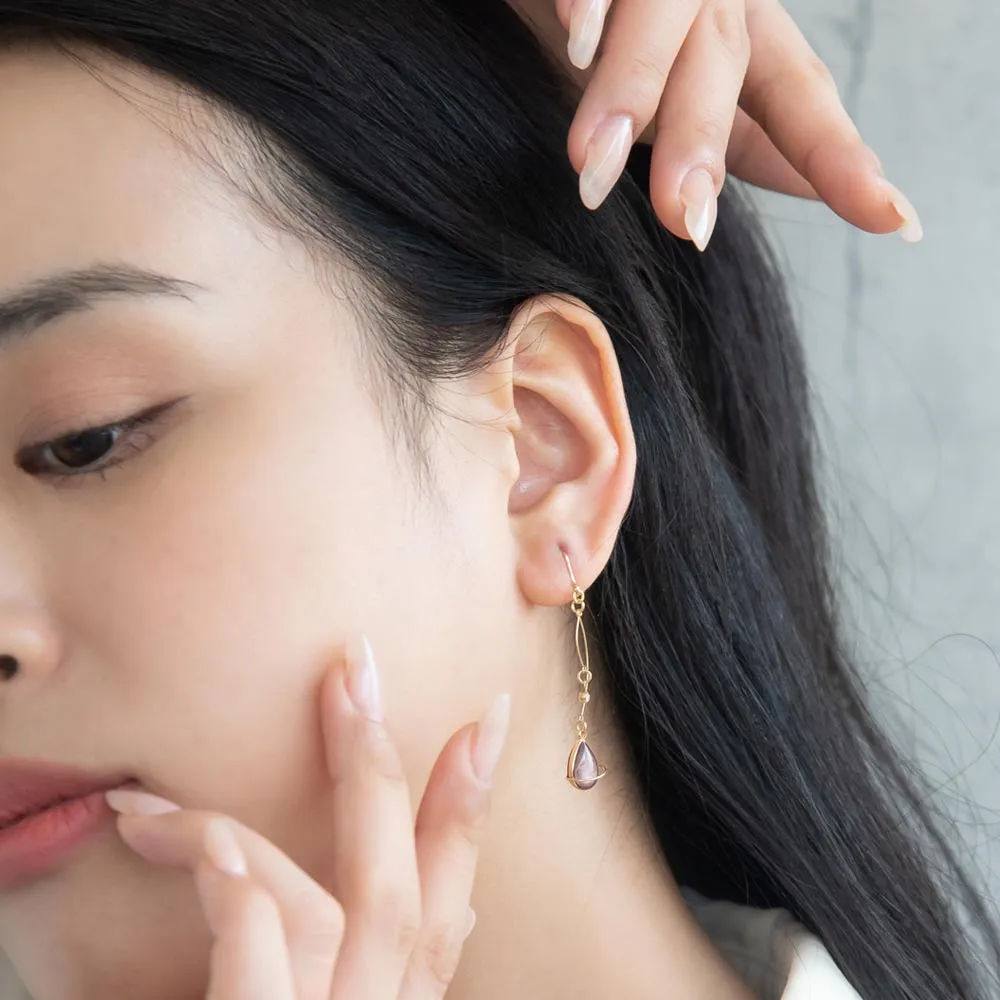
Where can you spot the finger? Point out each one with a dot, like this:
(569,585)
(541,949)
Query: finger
(453,813)
(621,99)
(755,159)
(585,21)
(790,93)
(250,959)
(376,876)
(313,920)
(695,121)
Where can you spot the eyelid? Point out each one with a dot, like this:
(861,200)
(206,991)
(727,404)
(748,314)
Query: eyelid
(88,426)
(27,456)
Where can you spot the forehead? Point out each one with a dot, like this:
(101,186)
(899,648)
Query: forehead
(94,166)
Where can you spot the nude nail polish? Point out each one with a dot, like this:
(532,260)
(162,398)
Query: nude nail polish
(910,229)
(607,155)
(133,803)
(223,849)
(586,20)
(700,202)
(363,684)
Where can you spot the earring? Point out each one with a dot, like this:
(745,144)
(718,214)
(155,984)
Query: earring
(582,769)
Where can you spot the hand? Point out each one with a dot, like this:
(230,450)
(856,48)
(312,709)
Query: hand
(714,85)
(396,929)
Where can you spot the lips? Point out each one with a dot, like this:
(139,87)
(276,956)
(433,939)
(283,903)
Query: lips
(31,786)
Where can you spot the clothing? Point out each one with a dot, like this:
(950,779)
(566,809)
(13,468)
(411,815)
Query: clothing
(772,953)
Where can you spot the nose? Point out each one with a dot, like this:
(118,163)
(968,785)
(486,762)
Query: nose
(27,642)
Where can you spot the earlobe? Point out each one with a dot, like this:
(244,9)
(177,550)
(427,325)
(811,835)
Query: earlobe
(575,446)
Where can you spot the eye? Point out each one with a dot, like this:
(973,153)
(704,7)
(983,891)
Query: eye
(93,450)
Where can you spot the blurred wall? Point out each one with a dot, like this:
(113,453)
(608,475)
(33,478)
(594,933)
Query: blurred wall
(904,345)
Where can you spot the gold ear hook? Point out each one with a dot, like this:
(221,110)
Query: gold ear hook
(582,769)
(569,567)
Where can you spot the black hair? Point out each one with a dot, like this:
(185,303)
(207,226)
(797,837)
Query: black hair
(424,140)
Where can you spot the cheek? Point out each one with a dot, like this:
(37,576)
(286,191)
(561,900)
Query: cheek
(233,574)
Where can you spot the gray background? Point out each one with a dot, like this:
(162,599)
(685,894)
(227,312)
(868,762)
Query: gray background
(903,346)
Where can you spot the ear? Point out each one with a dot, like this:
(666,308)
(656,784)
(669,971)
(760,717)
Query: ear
(574,442)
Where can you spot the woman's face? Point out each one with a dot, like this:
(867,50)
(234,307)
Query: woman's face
(174,614)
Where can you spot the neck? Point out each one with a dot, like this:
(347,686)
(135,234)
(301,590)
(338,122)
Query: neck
(573,897)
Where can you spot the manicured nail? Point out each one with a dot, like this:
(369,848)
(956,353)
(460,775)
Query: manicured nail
(910,230)
(701,206)
(362,680)
(607,155)
(470,922)
(586,20)
(133,803)
(490,737)
(223,849)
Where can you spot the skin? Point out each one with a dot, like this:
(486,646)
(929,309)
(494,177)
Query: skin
(175,619)
(716,87)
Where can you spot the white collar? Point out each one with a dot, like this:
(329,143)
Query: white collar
(775,955)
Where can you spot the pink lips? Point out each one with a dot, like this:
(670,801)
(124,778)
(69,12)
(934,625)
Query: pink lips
(46,812)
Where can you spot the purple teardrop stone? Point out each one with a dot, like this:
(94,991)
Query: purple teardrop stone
(585,766)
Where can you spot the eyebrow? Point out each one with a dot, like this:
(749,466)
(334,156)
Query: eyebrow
(47,299)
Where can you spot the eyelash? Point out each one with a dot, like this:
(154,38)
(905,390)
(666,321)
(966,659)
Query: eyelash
(32,459)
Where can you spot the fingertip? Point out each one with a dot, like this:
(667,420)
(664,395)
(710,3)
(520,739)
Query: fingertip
(910,229)
(700,202)
(586,24)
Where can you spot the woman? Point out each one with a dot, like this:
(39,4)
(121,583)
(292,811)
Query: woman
(308,338)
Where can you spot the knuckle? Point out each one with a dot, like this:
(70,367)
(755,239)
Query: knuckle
(319,923)
(817,71)
(395,917)
(645,79)
(730,30)
(441,953)
(713,130)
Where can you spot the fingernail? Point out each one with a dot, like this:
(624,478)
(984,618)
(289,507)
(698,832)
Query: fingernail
(470,922)
(223,849)
(362,680)
(701,206)
(132,803)
(607,155)
(911,230)
(490,737)
(586,19)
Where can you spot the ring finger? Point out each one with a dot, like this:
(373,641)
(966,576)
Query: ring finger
(376,877)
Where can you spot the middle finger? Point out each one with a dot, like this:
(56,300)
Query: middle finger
(695,121)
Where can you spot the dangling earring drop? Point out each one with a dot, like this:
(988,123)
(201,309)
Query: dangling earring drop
(582,769)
